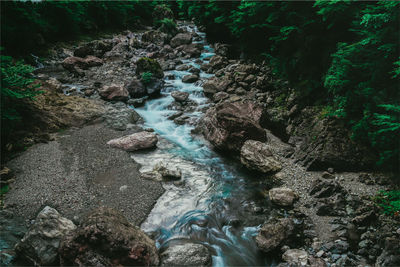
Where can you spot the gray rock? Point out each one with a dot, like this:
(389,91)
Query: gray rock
(282,196)
(274,234)
(295,256)
(41,243)
(191,78)
(136,141)
(180,96)
(168,172)
(188,254)
(256,156)
(115,92)
(181,39)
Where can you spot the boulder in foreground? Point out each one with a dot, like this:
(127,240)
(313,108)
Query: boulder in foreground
(106,238)
(136,141)
(41,243)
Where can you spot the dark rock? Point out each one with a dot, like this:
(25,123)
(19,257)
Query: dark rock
(321,188)
(190,78)
(332,206)
(391,253)
(106,238)
(328,175)
(146,64)
(154,36)
(154,87)
(180,96)
(274,235)
(228,125)
(136,89)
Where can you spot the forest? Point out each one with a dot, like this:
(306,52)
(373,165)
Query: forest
(342,55)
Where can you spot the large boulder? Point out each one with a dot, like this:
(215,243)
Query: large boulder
(273,235)
(136,88)
(41,243)
(154,36)
(106,238)
(181,39)
(256,156)
(218,62)
(191,78)
(180,96)
(282,196)
(95,48)
(193,50)
(114,92)
(136,141)
(154,86)
(168,172)
(214,85)
(188,254)
(146,64)
(228,125)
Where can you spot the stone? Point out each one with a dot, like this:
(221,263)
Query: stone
(282,196)
(154,87)
(228,125)
(191,78)
(136,141)
(167,172)
(220,96)
(193,50)
(146,64)
(154,36)
(136,89)
(106,238)
(390,255)
(41,243)
(328,175)
(181,39)
(180,96)
(218,62)
(273,235)
(322,189)
(256,156)
(187,254)
(296,256)
(114,92)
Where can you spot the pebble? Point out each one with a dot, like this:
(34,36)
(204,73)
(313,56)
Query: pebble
(123,188)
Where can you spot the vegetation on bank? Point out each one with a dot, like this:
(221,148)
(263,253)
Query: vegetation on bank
(342,55)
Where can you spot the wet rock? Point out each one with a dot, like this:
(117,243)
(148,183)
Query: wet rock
(183,67)
(41,243)
(296,257)
(175,115)
(187,254)
(218,62)
(256,156)
(190,78)
(181,39)
(106,238)
(193,50)
(146,64)
(137,102)
(274,234)
(136,88)
(167,172)
(228,125)
(181,120)
(114,92)
(136,141)
(180,96)
(282,196)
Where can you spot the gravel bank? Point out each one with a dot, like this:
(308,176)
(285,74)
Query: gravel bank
(79,172)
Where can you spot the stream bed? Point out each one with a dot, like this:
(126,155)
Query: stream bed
(214,205)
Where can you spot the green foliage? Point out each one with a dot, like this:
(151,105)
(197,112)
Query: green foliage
(16,85)
(341,54)
(4,190)
(30,25)
(389,201)
(167,26)
(146,77)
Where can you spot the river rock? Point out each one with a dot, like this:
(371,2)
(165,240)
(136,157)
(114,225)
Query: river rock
(193,50)
(180,96)
(154,37)
(136,89)
(41,243)
(136,141)
(228,125)
(114,92)
(181,39)
(282,196)
(191,78)
(297,257)
(390,255)
(188,254)
(146,64)
(167,172)
(256,156)
(274,234)
(106,238)
(218,62)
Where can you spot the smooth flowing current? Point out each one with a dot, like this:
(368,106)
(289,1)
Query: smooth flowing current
(215,201)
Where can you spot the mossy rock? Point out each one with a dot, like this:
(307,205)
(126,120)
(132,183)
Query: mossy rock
(146,64)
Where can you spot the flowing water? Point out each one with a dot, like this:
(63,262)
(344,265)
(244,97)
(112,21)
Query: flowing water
(216,198)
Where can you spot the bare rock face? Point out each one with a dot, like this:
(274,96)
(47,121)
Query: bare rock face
(188,254)
(116,92)
(282,196)
(181,39)
(41,243)
(274,235)
(228,125)
(136,141)
(106,238)
(256,156)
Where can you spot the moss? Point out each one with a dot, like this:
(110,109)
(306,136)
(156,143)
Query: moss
(146,64)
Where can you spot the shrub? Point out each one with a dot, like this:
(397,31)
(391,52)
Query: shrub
(389,201)
(146,77)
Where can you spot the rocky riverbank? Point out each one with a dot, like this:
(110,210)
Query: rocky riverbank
(314,212)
